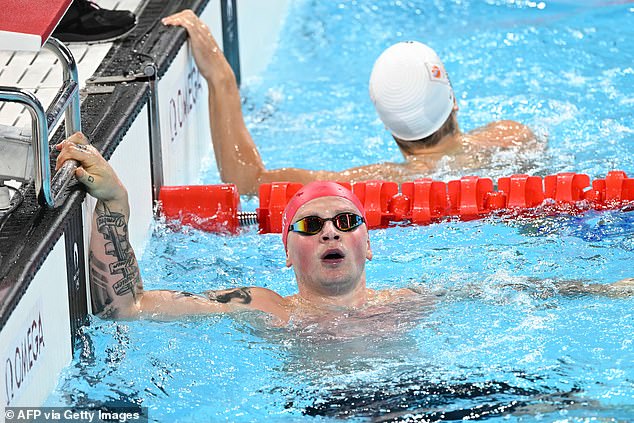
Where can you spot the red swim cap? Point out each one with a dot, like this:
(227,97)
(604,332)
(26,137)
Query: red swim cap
(310,192)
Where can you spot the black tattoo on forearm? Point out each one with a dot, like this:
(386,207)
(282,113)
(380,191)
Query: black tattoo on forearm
(114,228)
(99,292)
(95,262)
(241,295)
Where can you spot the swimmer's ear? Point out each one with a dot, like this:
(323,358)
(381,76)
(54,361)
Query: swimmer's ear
(289,263)
(368,253)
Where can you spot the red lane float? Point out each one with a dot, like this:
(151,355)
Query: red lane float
(273,200)
(566,187)
(375,197)
(522,191)
(217,207)
(467,196)
(428,200)
(212,208)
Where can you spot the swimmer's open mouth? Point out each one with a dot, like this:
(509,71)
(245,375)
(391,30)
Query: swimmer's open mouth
(331,255)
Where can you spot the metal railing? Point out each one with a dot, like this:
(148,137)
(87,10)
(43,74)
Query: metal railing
(66,102)
(230,43)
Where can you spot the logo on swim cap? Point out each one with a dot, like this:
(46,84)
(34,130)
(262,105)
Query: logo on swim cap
(437,73)
(410,90)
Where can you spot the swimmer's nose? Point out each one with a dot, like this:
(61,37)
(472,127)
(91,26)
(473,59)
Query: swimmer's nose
(329,231)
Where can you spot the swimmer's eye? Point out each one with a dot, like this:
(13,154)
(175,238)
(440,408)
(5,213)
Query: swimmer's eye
(311,225)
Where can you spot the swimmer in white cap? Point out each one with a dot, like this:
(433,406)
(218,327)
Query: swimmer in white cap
(411,92)
(413,96)
(326,242)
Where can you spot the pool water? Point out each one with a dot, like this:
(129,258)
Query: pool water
(500,342)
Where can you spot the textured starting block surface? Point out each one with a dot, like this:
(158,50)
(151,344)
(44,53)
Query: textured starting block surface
(37,70)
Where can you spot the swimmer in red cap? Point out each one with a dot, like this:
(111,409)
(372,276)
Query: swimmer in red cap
(324,233)
(326,242)
(412,95)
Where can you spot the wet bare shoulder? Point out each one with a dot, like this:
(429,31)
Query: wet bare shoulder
(503,133)
(396,295)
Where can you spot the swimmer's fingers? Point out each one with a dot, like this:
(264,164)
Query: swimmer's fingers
(86,178)
(185,18)
(205,49)
(77,148)
(77,138)
(188,20)
(179,17)
(94,172)
(88,157)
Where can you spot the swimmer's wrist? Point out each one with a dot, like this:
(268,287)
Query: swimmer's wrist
(219,72)
(118,202)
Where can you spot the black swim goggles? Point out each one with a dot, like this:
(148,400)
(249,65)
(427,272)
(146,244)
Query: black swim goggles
(311,225)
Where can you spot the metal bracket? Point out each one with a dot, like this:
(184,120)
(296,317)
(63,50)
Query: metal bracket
(106,84)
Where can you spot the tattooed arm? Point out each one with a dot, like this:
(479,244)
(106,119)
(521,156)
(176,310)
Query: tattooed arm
(115,282)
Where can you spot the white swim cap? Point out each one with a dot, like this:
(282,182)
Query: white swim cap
(411,91)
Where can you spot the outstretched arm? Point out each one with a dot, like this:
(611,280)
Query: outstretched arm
(545,288)
(115,282)
(237,156)
(622,288)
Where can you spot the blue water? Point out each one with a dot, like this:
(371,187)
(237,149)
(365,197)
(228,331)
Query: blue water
(500,343)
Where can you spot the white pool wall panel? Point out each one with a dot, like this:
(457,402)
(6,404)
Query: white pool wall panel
(35,343)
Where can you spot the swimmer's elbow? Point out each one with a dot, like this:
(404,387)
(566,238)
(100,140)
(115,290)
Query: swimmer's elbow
(246,178)
(117,312)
